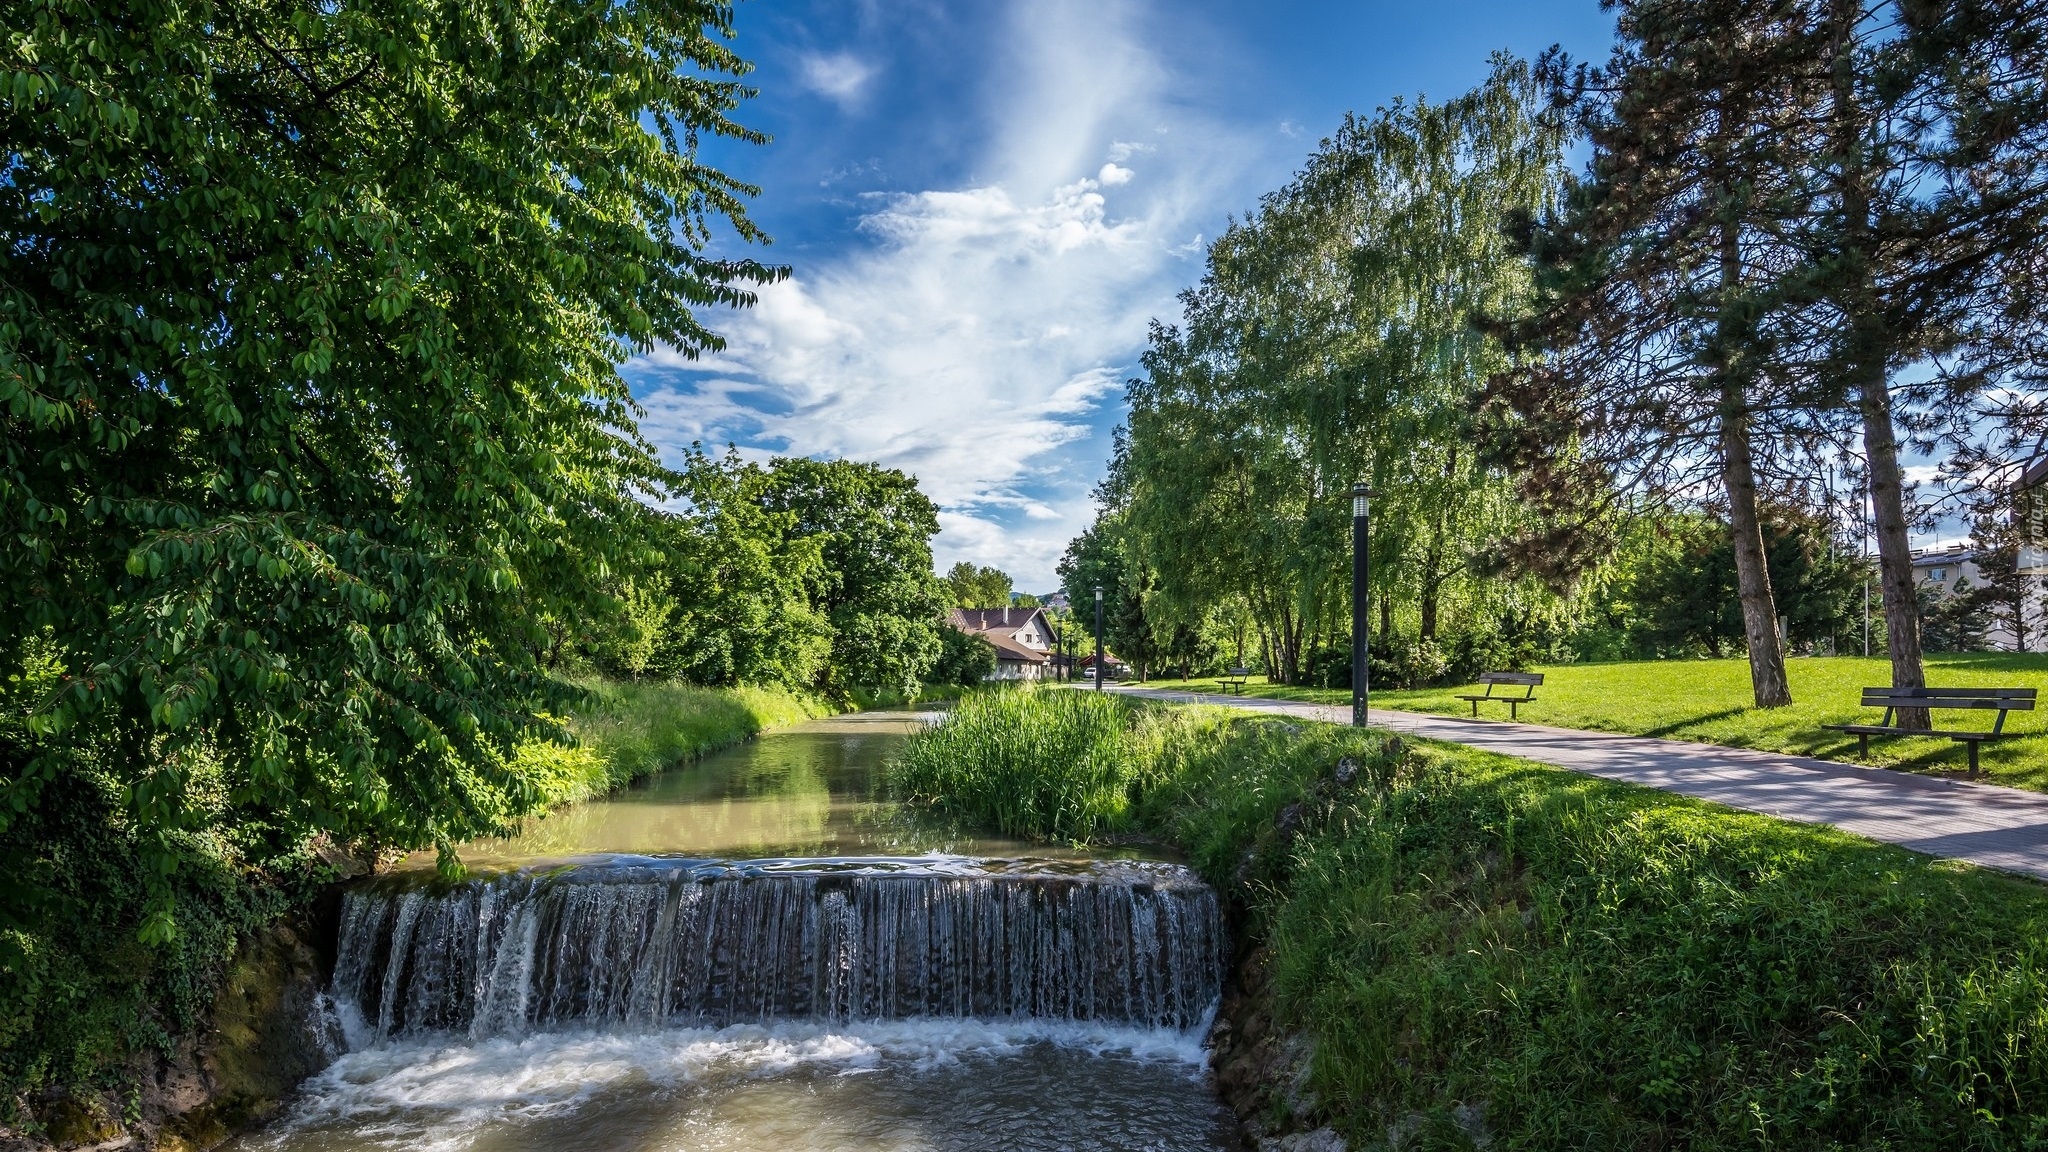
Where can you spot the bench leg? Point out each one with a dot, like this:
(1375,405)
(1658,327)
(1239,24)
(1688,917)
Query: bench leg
(1973,757)
(1512,713)
(1475,709)
(1863,745)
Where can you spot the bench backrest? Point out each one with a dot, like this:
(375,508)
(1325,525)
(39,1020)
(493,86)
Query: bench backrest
(2003,699)
(1531,679)
(1237,672)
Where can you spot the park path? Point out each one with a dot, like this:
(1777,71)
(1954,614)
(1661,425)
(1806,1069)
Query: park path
(1984,824)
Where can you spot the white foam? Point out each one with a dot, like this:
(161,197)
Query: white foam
(432,1092)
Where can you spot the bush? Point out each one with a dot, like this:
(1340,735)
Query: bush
(1049,763)
(80,994)
(963,660)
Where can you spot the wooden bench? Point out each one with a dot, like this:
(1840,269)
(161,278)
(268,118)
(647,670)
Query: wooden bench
(1526,681)
(1234,680)
(1892,699)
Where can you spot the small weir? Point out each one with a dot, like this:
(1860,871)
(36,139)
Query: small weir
(760,951)
(715,943)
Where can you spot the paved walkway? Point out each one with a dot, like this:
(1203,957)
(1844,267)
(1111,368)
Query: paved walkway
(2002,828)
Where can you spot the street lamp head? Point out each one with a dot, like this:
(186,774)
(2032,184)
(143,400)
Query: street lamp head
(1098,593)
(1360,494)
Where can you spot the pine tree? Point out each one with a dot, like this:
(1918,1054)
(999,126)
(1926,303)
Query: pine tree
(1654,272)
(1930,189)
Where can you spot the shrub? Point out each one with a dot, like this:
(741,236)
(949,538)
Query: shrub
(1056,764)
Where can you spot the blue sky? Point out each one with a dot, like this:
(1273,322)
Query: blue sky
(984,204)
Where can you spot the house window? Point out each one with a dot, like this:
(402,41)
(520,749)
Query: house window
(1937,574)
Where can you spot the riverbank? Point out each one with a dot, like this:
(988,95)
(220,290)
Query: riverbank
(1710,701)
(1444,946)
(102,1037)
(629,730)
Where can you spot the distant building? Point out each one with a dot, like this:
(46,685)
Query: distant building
(1947,570)
(1024,639)
(1056,600)
(1954,569)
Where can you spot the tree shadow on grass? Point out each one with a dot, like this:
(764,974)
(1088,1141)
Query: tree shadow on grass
(1665,731)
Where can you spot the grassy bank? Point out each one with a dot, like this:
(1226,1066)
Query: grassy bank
(1709,701)
(629,730)
(1573,962)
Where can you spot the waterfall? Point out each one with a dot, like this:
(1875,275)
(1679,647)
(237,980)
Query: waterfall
(653,942)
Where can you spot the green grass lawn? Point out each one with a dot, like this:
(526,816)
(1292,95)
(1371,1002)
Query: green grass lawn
(1709,701)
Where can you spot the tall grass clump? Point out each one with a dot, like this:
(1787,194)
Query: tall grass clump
(1050,764)
(628,730)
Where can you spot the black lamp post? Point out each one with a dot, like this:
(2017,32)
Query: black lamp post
(1361,624)
(1098,637)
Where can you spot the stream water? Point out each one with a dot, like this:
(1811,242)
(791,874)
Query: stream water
(759,951)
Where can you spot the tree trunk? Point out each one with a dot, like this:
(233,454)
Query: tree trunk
(1433,576)
(1738,474)
(1868,366)
(1894,547)
(1752,574)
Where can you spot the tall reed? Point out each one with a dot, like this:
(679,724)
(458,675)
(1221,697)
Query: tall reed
(1053,764)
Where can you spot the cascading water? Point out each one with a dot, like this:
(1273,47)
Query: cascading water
(844,976)
(706,943)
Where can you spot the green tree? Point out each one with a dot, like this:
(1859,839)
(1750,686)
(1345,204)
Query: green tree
(309,323)
(1333,338)
(1655,277)
(1683,591)
(978,587)
(1092,560)
(1926,206)
(874,530)
(2006,595)
(963,659)
(744,584)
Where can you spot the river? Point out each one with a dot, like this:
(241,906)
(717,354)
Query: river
(759,951)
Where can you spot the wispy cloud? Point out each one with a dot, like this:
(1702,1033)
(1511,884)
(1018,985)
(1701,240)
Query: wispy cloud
(981,338)
(840,77)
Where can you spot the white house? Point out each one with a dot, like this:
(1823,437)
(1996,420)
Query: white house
(1024,639)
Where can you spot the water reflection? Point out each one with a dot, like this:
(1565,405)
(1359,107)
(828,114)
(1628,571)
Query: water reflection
(812,789)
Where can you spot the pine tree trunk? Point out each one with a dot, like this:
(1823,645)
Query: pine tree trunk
(1738,474)
(1752,573)
(1868,371)
(1894,547)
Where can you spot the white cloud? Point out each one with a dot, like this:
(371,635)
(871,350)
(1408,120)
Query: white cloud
(978,340)
(838,76)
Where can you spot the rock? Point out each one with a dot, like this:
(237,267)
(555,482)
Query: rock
(1262,1072)
(1320,1140)
(74,1122)
(268,1032)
